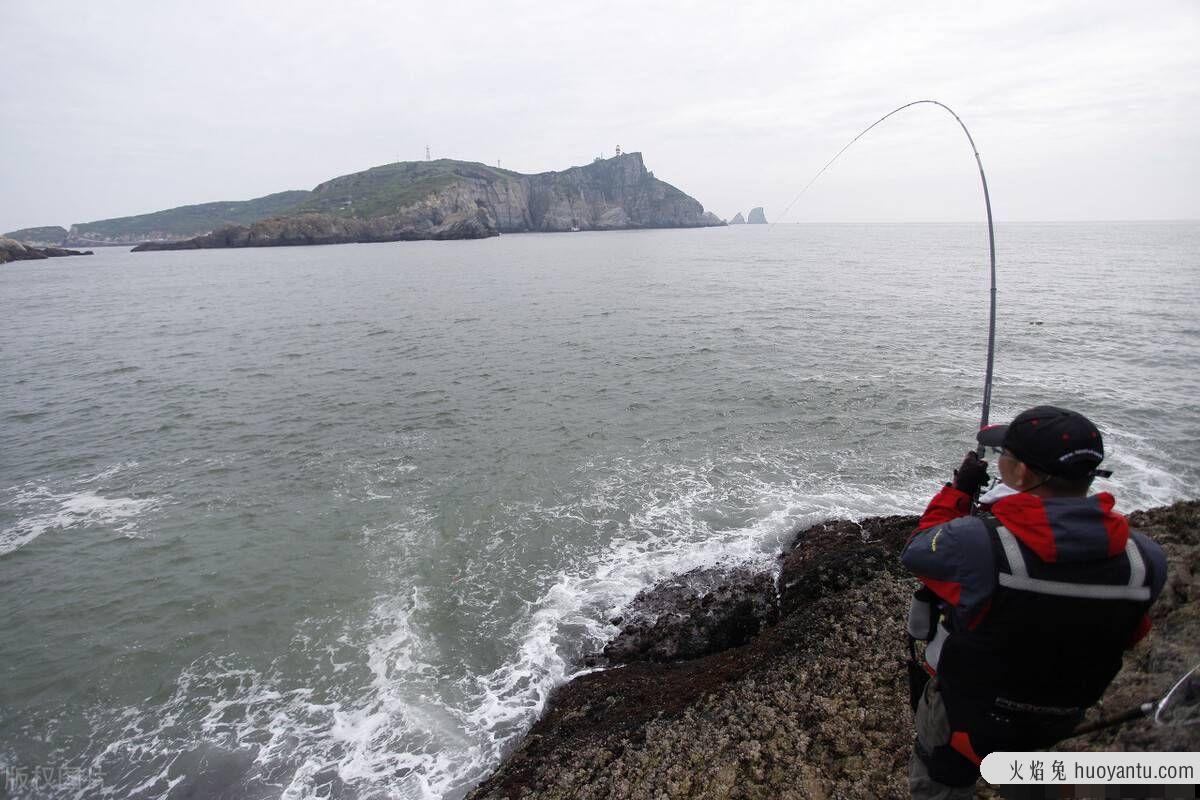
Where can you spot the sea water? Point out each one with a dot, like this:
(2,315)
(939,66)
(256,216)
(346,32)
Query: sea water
(334,521)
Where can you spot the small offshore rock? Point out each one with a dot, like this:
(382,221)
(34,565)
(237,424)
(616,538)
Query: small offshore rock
(12,250)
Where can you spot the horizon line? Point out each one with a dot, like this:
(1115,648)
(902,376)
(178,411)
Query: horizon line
(984,222)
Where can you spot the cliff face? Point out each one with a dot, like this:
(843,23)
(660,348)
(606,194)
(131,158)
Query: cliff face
(609,194)
(757,217)
(460,200)
(429,222)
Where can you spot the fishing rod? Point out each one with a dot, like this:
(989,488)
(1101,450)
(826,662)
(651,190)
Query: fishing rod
(987,200)
(1179,707)
(917,676)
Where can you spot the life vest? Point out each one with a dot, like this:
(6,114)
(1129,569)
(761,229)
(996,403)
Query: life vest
(1046,647)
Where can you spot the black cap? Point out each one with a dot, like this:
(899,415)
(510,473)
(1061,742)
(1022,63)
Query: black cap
(1053,441)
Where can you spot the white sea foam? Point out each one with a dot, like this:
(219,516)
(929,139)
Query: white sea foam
(397,721)
(1137,482)
(670,533)
(40,509)
(394,720)
(110,472)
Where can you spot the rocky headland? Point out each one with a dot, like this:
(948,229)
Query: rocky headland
(437,199)
(12,250)
(440,199)
(461,200)
(733,684)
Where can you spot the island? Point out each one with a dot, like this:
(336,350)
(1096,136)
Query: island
(432,199)
(757,217)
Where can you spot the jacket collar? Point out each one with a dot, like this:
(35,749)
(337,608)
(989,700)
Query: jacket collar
(1065,529)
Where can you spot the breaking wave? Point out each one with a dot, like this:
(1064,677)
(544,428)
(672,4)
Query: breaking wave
(40,509)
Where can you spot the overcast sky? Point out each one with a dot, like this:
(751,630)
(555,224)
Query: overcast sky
(1081,110)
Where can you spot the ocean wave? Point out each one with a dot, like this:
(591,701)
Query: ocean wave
(684,525)
(40,509)
(375,706)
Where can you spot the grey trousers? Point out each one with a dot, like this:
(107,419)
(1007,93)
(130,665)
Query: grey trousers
(933,730)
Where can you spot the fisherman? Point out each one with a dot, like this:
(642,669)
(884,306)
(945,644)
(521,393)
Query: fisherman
(1026,608)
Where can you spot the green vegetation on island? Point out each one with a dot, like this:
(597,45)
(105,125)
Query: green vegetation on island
(185,221)
(438,199)
(382,190)
(448,199)
(48,236)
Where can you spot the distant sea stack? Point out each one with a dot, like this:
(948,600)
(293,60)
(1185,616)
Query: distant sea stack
(738,219)
(12,250)
(757,217)
(439,199)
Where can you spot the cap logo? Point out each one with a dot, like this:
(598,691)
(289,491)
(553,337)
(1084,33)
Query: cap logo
(1081,452)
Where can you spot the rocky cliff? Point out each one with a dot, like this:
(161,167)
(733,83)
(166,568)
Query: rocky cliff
(757,217)
(461,200)
(745,687)
(738,219)
(305,229)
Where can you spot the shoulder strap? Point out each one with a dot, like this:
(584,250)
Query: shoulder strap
(1016,576)
(1004,542)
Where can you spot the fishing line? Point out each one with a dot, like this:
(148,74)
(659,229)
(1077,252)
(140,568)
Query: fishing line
(987,200)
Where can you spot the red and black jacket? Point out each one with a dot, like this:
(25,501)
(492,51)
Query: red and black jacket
(1039,600)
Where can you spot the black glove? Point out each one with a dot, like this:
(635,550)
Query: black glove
(971,474)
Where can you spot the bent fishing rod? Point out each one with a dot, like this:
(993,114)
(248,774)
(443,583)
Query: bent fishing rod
(987,200)
(1179,707)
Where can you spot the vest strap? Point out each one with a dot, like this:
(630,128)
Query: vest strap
(1018,575)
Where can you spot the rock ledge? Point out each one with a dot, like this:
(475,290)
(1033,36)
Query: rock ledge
(813,706)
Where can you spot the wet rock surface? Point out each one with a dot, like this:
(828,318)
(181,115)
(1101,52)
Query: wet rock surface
(815,705)
(694,614)
(838,555)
